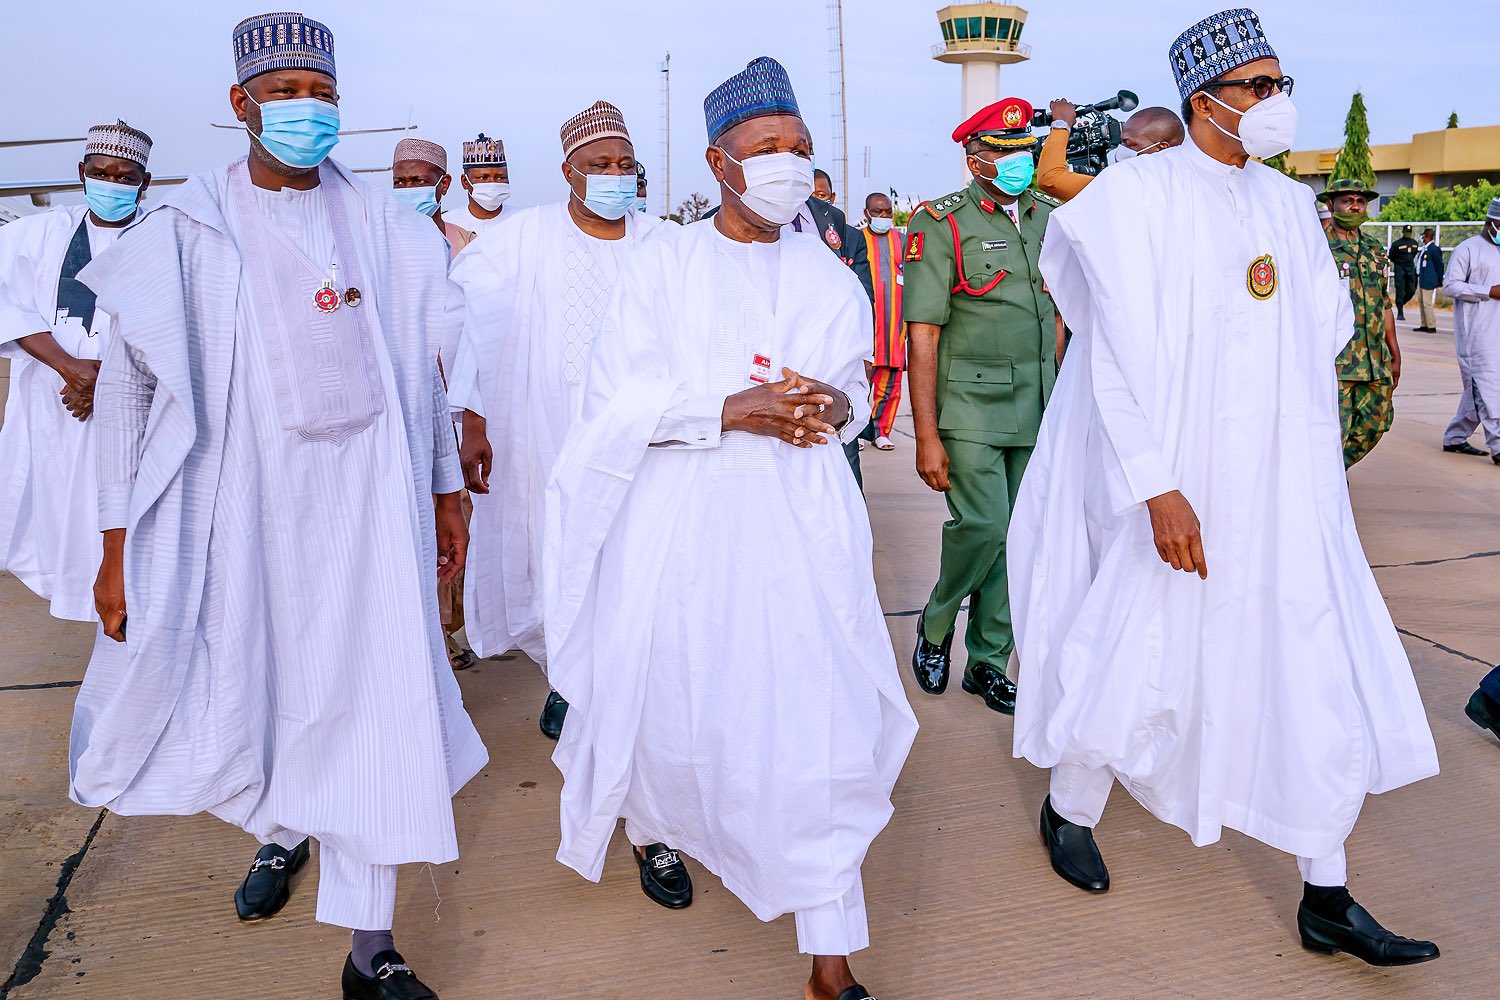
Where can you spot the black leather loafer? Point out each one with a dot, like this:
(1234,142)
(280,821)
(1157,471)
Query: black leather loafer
(1362,936)
(553,714)
(1463,449)
(392,981)
(1483,712)
(269,884)
(990,683)
(664,878)
(856,992)
(1074,854)
(930,660)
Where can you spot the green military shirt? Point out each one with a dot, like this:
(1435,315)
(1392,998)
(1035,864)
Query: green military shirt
(1362,269)
(996,363)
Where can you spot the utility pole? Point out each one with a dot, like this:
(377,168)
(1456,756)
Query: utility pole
(666,134)
(840,105)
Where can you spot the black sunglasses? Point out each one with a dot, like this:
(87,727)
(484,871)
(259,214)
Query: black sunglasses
(1262,86)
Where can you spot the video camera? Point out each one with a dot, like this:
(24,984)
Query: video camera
(1095,132)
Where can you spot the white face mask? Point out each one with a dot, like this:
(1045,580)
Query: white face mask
(1268,128)
(880,225)
(776,184)
(490,196)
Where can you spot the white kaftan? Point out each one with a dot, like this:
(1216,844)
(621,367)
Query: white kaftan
(533,295)
(1472,271)
(284,667)
(49,525)
(1273,696)
(711,608)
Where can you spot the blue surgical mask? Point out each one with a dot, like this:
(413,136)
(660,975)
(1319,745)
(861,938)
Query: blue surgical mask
(880,225)
(423,199)
(1013,173)
(1495,237)
(609,196)
(110,201)
(301,132)
(640,204)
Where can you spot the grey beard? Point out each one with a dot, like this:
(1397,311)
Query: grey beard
(271,163)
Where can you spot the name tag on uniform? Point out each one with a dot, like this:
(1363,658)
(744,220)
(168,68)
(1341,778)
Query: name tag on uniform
(760,369)
(989,246)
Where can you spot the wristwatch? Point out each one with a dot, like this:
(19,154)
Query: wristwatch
(1058,124)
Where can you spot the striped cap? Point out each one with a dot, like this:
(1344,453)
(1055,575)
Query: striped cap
(423,150)
(761,88)
(283,40)
(119,140)
(1216,45)
(600,120)
(484,152)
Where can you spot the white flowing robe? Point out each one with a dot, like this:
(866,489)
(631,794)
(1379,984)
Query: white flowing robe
(1273,696)
(49,526)
(1472,271)
(284,667)
(517,369)
(711,609)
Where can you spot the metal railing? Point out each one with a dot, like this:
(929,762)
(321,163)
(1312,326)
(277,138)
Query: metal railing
(982,45)
(1449,234)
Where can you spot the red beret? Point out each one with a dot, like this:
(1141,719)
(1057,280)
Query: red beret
(1006,124)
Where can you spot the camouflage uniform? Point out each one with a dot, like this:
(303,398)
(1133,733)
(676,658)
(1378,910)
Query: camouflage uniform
(1366,380)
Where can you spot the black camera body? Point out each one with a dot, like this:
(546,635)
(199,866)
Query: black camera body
(1095,132)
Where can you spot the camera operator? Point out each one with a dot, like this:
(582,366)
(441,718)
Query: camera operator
(1149,130)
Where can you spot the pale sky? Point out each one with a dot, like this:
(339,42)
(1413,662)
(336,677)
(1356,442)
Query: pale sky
(516,70)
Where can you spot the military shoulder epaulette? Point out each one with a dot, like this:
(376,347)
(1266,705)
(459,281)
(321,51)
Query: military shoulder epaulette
(941,208)
(1046,199)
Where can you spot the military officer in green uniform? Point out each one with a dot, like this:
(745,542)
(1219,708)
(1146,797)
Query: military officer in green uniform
(982,339)
(1370,365)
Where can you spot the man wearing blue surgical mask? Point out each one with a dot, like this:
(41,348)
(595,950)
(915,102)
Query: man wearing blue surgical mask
(54,336)
(419,177)
(534,293)
(271,544)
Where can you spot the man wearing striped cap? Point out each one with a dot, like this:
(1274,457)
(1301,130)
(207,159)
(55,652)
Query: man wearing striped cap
(54,337)
(419,176)
(486,182)
(1196,424)
(272,536)
(711,607)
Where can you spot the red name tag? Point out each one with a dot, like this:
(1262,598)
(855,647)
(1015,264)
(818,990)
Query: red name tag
(760,369)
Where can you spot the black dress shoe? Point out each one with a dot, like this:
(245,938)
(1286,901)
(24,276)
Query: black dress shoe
(553,714)
(269,884)
(856,992)
(392,980)
(1484,712)
(1463,449)
(930,660)
(990,683)
(1361,936)
(664,877)
(1074,854)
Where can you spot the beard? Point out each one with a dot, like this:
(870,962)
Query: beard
(261,154)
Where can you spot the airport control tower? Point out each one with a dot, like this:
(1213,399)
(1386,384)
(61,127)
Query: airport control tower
(981,37)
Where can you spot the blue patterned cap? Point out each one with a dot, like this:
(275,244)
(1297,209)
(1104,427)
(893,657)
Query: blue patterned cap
(1216,45)
(285,40)
(761,88)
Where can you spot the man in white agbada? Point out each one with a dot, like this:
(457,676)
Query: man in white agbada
(54,337)
(1196,424)
(1472,281)
(272,432)
(711,607)
(534,292)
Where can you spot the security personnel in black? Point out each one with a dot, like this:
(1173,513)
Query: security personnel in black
(982,339)
(1403,254)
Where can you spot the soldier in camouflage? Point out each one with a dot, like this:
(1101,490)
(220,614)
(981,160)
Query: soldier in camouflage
(1370,364)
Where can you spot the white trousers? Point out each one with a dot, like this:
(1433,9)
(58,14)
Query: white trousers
(1079,794)
(839,927)
(353,894)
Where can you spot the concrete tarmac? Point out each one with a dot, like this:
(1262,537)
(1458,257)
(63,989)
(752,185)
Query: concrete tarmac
(961,899)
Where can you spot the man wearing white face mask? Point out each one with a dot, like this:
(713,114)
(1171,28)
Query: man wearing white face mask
(1195,423)
(486,182)
(54,337)
(711,609)
(270,649)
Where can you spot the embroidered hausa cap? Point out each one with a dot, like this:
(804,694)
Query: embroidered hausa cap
(1494,212)
(761,88)
(600,120)
(119,140)
(484,152)
(1006,125)
(421,149)
(282,40)
(1216,45)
